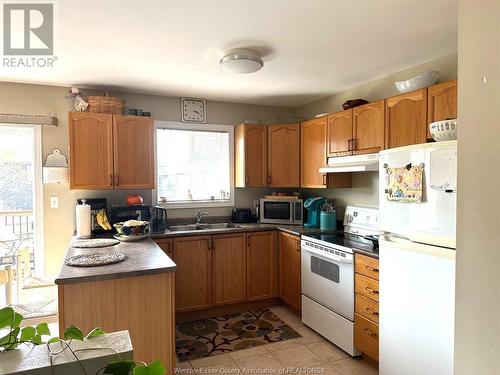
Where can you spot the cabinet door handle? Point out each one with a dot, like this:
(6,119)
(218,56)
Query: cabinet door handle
(324,179)
(368,332)
(116,180)
(349,145)
(269,179)
(110,180)
(370,290)
(354,144)
(370,311)
(210,244)
(371,269)
(246,179)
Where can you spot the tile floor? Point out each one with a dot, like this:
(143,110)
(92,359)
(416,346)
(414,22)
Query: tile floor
(309,355)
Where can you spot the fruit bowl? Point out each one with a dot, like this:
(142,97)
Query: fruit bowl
(422,80)
(132,228)
(445,130)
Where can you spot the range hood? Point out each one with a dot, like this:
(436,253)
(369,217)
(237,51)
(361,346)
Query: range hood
(356,163)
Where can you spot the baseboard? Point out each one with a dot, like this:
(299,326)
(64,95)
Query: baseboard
(224,310)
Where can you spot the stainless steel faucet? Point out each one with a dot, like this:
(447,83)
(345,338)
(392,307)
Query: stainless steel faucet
(200,216)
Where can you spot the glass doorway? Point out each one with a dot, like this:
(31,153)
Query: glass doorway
(21,229)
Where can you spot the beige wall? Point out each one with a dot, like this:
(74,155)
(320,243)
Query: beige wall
(38,99)
(477,325)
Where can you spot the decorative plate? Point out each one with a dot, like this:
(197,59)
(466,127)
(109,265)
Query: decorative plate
(95,259)
(94,242)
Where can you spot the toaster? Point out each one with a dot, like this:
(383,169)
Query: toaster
(242,215)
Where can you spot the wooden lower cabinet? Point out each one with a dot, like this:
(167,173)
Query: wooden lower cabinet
(289,269)
(366,336)
(366,317)
(143,305)
(262,266)
(229,281)
(193,257)
(229,269)
(167,246)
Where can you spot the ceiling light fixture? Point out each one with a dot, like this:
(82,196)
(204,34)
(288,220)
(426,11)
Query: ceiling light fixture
(242,61)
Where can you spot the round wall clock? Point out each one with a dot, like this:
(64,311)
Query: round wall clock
(193,110)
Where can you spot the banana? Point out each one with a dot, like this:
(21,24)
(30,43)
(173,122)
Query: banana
(102,220)
(105,219)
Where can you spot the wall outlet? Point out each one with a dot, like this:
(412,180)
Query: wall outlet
(54,202)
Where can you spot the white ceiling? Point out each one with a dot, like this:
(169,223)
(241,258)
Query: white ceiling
(311,48)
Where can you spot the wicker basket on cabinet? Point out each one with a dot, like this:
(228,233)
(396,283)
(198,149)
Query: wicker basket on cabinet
(106,104)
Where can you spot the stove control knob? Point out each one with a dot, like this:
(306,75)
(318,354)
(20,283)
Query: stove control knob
(355,213)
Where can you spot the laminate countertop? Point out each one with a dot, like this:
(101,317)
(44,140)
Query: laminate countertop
(143,258)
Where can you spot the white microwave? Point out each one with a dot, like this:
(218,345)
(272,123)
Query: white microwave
(281,211)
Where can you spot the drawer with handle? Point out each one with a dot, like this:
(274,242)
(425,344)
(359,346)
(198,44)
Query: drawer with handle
(366,286)
(367,308)
(366,336)
(367,266)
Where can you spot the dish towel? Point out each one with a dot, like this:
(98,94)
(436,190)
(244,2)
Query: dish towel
(404,184)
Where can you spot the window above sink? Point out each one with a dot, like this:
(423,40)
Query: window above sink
(195,164)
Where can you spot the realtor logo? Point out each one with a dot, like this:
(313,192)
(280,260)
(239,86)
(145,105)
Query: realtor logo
(28,29)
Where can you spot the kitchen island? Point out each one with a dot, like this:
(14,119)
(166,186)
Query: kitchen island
(135,295)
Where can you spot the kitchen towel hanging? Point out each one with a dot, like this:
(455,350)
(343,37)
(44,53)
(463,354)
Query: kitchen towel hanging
(404,184)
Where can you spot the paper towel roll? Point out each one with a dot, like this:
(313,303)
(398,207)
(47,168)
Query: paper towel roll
(83,220)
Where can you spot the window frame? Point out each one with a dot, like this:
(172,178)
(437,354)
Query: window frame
(196,127)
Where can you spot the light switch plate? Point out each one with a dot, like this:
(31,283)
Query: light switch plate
(54,202)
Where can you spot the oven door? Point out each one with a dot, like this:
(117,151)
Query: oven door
(329,280)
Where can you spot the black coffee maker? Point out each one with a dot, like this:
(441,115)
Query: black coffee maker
(158,219)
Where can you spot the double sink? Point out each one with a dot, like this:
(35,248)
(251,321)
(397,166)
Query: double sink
(197,227)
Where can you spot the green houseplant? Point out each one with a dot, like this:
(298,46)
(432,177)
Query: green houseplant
(10,322)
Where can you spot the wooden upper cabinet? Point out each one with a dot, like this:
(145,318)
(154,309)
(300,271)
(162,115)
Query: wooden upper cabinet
(262,268)
(91,150)
(289,269)
(313,153)
(283,155)
(368,128)
(193,274)
(339,134)
(229,277)
(133,152)
(441,102)
(406,119)
(251,155)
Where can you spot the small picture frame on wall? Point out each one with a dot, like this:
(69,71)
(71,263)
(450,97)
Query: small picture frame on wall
(193,110)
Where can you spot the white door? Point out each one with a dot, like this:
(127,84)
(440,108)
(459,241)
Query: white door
(417,308)
(433,220)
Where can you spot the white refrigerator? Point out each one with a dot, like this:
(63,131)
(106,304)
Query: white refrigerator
(417,261)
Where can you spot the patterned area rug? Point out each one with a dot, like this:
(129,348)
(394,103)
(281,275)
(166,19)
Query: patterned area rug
(223,334)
